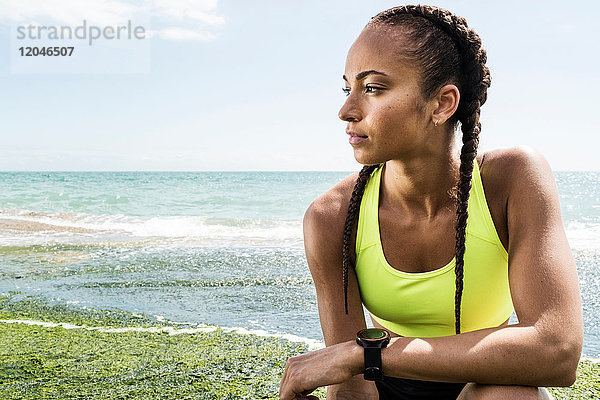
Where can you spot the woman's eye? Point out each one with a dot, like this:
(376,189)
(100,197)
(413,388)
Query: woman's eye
(368,89)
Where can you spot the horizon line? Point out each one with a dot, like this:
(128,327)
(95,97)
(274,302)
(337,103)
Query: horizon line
(232,170)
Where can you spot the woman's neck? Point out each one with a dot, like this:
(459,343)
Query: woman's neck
(421,186)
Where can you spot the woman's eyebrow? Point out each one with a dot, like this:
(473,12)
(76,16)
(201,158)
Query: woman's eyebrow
(364,74)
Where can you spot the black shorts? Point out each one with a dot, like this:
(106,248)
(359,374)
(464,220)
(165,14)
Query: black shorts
(400,389)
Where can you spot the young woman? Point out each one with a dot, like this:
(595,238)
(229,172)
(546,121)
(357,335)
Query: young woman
(437,261)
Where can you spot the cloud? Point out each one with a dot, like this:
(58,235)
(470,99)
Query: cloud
(171,19)
(187,19)
(200,11)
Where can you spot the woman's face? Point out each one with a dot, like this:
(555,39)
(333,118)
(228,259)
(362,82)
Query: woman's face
(383,95)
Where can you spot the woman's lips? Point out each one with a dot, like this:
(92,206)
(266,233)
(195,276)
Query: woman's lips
(355,138)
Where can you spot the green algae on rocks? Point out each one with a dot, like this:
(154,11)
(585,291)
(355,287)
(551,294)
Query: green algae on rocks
(38,362)
(16,305)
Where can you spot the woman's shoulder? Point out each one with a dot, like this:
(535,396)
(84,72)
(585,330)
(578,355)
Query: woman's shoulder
(515,180)
(511,168)
(323,230)
(328,211)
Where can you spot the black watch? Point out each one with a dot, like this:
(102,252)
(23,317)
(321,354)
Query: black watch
(373,340)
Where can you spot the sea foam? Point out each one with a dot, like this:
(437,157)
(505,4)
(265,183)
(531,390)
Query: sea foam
(24,226)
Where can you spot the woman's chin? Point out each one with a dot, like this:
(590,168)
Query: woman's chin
(367,159)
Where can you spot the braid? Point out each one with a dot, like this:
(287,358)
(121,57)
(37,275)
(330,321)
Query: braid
(351,217)
(448,51)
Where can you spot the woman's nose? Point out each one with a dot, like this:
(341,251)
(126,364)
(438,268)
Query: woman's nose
(350,110)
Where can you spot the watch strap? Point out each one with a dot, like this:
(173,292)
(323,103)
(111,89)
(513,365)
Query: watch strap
(372,357)
(373,363)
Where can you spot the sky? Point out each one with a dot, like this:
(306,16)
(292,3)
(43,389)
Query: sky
(256,85)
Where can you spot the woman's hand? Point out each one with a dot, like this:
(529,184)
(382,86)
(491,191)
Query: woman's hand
(331,365)
(356,388)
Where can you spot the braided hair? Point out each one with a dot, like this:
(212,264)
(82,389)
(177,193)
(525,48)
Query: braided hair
(447,51)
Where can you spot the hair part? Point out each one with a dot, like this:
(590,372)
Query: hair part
(445,51)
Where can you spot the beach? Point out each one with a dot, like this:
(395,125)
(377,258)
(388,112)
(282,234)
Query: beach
(114,354)
(120,355)
(160,268)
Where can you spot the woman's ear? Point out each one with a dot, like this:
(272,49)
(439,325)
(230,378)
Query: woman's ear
(447,99)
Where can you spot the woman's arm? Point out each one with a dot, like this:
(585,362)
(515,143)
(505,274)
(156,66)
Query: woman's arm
(323,227)
(543,349)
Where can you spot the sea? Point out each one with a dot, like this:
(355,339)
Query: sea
(221,248)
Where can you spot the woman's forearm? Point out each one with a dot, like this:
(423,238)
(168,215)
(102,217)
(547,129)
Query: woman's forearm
(512,355)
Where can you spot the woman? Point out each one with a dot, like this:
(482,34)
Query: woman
(438,262)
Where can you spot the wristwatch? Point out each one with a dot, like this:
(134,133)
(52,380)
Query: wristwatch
(373,340)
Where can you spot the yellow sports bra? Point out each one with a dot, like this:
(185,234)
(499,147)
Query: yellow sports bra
(422,304)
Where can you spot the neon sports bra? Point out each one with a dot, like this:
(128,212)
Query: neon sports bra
(422,304)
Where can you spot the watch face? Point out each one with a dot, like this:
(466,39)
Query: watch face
(373,334)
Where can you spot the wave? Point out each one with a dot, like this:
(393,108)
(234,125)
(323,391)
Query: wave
(18,227)
(583,235)
(203,283)
(33,227)
(200,328)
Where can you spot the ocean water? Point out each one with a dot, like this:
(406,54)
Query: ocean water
(221,248)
